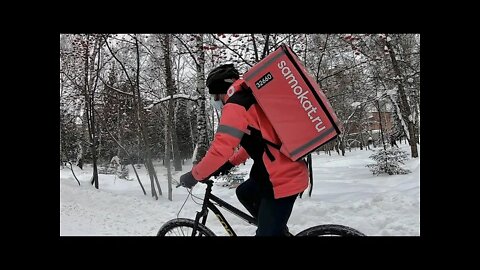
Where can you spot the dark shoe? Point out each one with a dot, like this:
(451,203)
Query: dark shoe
(286,232)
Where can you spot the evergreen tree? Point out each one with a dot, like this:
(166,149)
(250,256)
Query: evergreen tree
(388,161)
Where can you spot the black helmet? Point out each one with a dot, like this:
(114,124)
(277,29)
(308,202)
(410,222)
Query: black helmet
(216,80)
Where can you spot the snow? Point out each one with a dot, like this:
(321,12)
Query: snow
(391,92)
(355,104)
(345,192)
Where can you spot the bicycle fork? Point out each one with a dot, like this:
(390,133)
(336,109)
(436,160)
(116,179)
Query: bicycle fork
(202,214)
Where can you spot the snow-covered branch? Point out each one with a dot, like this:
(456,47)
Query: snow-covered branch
(116,89)
(176,96)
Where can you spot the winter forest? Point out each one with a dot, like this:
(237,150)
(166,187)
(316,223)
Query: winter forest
(129,99)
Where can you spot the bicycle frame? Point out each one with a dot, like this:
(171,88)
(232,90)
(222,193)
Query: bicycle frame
(208,204)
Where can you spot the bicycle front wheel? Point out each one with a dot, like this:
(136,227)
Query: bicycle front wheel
(330,230)
(183,227)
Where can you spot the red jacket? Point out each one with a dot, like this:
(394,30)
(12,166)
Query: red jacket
(241,121)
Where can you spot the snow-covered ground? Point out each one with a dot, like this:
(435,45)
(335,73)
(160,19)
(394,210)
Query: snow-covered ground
(345,192)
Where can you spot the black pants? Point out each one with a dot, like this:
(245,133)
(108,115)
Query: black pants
(272,214)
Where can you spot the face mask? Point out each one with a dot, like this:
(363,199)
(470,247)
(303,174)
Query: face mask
(217,104)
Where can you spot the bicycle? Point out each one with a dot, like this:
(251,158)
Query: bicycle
(190,227)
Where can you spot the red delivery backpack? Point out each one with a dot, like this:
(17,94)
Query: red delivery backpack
(293,102)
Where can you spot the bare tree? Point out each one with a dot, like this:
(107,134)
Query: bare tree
(405,106)
(86,48)
(171,134)
(171,90)
(139,109)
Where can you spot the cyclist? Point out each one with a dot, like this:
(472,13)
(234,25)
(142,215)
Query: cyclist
(274,181)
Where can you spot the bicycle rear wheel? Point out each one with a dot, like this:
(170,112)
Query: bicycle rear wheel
(330,230)
(183,227)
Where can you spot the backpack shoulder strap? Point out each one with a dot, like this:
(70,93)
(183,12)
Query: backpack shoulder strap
(243,98)
(258,134)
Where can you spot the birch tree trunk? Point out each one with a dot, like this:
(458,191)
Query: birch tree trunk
(202,140)
(168,151)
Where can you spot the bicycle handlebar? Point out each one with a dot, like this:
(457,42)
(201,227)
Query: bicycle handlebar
(206,182)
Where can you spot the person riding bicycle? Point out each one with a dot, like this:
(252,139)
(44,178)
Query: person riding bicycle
(275,180)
